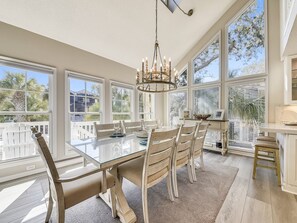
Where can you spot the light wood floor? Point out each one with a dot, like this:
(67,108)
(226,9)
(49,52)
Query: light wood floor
(252,201)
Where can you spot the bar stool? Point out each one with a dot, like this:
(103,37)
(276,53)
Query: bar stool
(266,138)
(272,149)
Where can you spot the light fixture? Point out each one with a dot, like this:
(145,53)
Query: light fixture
(157,79)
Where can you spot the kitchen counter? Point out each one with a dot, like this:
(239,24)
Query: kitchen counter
(286,137)
(278,128)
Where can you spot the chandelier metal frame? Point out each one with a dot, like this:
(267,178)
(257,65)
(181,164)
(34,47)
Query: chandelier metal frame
(156,79)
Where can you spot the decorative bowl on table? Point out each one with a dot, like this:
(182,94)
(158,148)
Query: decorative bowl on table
(201,116)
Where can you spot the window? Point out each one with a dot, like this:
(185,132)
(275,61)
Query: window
(85,104)
(246,110)
(26,99)
(206,101)
(177,102)
(246,42)
(122,102)
(206,65)
(182,80)
(146,106)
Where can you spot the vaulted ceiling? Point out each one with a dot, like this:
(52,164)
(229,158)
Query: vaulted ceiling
(120,30)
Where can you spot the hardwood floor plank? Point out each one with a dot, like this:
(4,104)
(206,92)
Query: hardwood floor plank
(256,211)
(232,209)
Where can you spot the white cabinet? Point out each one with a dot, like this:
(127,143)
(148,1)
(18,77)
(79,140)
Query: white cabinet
(288,161)
(291,80)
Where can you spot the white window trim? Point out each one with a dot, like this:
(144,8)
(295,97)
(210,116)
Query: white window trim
(85,77)
(219,36)
(145,113)
(52,105)
(240,12)
(176,91)
(186,67)
(242,82)
(206,87)
(127,86)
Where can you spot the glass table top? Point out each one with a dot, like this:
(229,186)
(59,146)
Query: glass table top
(103,152)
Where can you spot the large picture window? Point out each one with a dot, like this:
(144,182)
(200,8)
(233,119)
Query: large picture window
(206,100)
(177,102)
(206,65)
(146,106)
(122,102)
(26,99)
(85,97)
(246,42)
(246,110)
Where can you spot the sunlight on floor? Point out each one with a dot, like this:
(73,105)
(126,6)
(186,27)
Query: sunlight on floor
(34,212)
(11,194)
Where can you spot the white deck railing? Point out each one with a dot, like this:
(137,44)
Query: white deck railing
(16,140)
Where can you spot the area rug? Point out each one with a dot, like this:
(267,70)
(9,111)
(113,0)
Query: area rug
(197,202)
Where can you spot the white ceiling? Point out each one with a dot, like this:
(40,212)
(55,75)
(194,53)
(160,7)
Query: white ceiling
(120,30)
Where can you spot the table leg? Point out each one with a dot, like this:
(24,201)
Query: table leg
(125,213)
(224,142)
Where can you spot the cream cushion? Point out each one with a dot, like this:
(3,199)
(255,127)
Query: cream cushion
(132,170)
(265,138)
(84,188)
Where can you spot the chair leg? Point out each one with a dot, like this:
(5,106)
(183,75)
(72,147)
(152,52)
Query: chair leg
(277,163)
(175,190)
(255,162)
(169,186)
(193,169)
(113,202)
(61,212)
(144,204)
(201,160)
(190,171)
(50,207)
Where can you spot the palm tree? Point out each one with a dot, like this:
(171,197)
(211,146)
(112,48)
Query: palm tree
(12,95)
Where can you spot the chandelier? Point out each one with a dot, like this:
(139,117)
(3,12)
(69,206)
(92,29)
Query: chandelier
(156,79)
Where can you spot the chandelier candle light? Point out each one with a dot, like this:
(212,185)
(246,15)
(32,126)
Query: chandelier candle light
(156,80)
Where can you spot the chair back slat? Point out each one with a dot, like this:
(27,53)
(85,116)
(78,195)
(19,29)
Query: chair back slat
(131,127)
(185,137)
(157,163)
(151,124)
(200,137)
(104,130)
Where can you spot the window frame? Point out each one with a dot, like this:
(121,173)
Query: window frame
(153,113)
(186,67)
(132,106)
(264,79)
(218,36)
(186,90)
(52,111)
(83,77)
(215,85)
(237,15)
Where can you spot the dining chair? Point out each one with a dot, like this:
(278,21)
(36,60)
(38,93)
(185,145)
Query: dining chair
(130,127)
(74,187)
(153,167)
(151,124)
(197,148)
(105,130)
(182,153)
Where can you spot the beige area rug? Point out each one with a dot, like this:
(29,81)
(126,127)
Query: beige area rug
(198,202)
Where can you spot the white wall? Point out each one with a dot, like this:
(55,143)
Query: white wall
(24,45)
(275,66)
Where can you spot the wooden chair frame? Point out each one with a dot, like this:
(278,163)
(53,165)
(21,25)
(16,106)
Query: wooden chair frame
(56,193)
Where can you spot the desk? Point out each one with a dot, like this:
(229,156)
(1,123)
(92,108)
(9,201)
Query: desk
(287,139)
(108,153)
(216,125)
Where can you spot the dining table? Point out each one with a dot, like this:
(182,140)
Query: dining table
(107,154)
